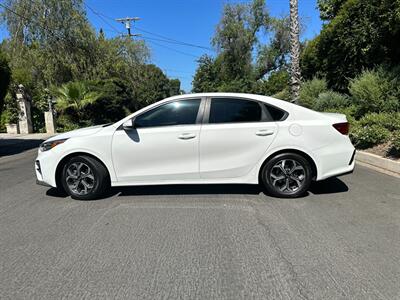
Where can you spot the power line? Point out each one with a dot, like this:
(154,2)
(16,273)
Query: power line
(100,16)
(165,38)
(170,40)
(172,49)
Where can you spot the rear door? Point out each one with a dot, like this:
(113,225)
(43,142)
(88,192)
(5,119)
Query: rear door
(236,132)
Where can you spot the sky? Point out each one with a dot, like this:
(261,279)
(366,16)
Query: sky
(189,21)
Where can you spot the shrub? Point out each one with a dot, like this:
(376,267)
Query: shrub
(331,100)
(11,110)
(283,95)
(64,124)
(368,136)
(375,91)
(390,121)
(396,140)
(310,91)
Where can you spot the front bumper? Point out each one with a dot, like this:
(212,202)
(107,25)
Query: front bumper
(39,182)
(45,167)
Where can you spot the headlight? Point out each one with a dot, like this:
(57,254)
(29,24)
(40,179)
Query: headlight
(50,145)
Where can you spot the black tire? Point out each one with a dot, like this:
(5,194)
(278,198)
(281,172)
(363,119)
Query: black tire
(273,170)
(99,184)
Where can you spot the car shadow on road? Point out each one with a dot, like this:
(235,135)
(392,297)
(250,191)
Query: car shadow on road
(332,185)
(188,189)
(11,146)
(329,186)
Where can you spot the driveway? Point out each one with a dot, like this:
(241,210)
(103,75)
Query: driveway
(341,241)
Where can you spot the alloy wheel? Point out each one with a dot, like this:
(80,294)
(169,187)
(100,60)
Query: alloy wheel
(80,178)
(287,176)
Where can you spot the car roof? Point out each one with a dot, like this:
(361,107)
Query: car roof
(285,105)
(273,101)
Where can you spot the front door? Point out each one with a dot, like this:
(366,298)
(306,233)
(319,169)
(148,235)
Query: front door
(164,146)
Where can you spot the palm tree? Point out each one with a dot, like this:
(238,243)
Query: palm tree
(75,96)
(295,76)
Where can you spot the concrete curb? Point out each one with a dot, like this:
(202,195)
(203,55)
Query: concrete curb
(378,163)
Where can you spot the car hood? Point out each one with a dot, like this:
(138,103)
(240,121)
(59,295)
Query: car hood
(77,133)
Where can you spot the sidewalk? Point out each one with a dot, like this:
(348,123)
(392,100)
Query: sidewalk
(11,144)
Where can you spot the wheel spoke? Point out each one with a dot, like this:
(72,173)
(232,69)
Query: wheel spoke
(85,188)
(78,168)
(71,174)
(282,166)
(277,178)
(296,179)
(286,186)
(86,184)
(90,176)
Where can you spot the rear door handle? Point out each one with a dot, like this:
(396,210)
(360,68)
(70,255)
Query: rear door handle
(187,136)
(264,132)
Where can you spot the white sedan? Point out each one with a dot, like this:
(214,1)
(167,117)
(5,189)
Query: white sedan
(209,138)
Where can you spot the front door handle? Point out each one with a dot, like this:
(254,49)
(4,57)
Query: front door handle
(264,132)
(187,136)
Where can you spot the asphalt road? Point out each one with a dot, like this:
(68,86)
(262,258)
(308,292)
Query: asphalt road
(342,241)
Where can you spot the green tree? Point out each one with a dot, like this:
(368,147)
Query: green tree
(115,101)
(243,62)
(329,8)
(236,35)
(361,34)
(276,82)
(206,77)
(5,78)
(154,85)
(52,37)
(310,62)
(272,56)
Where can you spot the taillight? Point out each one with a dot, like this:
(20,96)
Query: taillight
(343,128)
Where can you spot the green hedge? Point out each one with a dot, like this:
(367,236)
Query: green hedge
(368,136)
(396,140)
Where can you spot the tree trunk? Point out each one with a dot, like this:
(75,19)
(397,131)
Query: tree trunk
(295,76)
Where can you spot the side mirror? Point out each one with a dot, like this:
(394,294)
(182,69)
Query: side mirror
(128,125)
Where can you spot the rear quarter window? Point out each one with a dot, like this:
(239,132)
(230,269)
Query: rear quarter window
(276,113)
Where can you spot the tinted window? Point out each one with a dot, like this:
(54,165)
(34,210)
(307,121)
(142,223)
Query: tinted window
(276,113)
(173,113)
(225,110)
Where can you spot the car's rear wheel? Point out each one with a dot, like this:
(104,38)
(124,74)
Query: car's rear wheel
(287,175)
(84,178)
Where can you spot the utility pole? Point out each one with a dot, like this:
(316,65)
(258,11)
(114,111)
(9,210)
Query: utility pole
(127,21)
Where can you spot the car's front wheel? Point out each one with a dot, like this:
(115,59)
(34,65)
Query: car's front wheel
(287,175)
(84,178)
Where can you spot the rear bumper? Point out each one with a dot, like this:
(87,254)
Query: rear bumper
(335,160)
